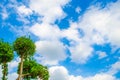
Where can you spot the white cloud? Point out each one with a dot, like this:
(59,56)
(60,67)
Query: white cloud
(101,76)
(51,51)
(93,26)
(50,10)
(75,77)
(80,52)
(80,47)
(23,10)
(72,32)
(99,26)
(61,73)
(58,73)
(103,22)
(46,31)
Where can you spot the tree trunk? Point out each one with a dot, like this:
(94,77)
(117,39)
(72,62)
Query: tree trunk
(21,68)
(5,71)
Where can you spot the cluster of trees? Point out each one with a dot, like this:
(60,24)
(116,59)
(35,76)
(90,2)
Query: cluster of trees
(28,68)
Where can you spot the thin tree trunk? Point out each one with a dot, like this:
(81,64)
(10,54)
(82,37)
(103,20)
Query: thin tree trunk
(4,66)
(21,68)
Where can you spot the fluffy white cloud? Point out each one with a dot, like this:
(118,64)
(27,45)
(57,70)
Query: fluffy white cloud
(46,31)
(102,23)
(24,10)
(51,51)
(71,33)
(50,10)
(49,45)
(80,52)
(99,26)
(58,73)
(80,47)
(61,73)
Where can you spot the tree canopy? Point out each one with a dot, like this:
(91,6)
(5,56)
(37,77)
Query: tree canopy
(32,70)
(6,52)
(6,55)
(28,68)
(24,47)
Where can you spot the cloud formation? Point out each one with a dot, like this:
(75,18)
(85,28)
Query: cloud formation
(51,51)
(23,10)
(97,26)
(60,72)
(51,11)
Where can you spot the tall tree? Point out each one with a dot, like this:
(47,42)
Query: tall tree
(24,47)
(6,55)
(32,70)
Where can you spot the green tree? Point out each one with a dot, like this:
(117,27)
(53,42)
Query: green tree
(32,70)
(40,71)
(6,55)
(24,47)
(27,65)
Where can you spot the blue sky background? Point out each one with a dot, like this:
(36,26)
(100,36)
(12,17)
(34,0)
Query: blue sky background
(76,39)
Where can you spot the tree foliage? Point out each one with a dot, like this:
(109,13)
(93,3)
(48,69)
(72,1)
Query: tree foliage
(32,70)
(28,68)
(6,52)
(6,55)
(24,47)
(40,71)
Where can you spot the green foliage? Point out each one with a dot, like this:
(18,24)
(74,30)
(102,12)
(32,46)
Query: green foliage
(6,52)
(40,71)
(28,68)
(6,55)
(24,46)
(32,70)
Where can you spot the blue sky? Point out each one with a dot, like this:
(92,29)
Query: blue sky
(76,39)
